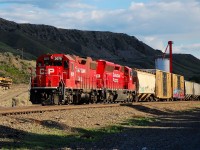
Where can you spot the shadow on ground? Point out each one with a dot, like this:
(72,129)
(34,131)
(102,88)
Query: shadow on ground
(168,130)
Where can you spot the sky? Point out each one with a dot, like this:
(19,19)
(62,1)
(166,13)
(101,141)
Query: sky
(153,22)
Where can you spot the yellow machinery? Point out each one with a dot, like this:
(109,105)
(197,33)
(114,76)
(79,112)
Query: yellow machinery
(5,82)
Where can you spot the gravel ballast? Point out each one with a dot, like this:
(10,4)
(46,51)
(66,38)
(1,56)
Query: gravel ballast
(140,126)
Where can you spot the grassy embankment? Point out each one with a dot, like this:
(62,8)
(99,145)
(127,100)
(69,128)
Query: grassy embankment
(11,65)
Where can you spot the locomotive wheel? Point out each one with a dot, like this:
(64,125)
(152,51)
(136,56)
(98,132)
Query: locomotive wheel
(131,98)
(151,98)
(70,99)
(110,98)
(136,99)
(126,100)
(77,98)
(93,99)
(56,99)
(105,101)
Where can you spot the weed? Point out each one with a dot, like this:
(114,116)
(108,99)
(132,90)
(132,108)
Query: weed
(140,121)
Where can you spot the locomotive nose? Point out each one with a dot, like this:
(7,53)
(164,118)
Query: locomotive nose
(49,76)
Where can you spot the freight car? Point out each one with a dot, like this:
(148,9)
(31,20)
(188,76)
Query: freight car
(67,79)
(196,94)
(192,90)
(189,90)
(178,87)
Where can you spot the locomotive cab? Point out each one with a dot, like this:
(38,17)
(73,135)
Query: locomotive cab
(50,71)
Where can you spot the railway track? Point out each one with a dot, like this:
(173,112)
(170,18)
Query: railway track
(41,109)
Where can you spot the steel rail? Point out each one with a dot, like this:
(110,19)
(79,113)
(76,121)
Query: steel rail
(41,109)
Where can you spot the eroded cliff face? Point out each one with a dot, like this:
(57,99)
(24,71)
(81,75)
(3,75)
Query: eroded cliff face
(117,47)
(39,39)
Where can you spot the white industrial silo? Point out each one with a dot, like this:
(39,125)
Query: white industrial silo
(162,64)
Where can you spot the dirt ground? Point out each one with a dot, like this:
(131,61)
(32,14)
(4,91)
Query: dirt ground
(18,93)
(142,126)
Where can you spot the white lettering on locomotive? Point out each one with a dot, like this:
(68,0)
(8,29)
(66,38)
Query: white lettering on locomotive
(115,80)
(80,79)
(57,58)
(80,70)
(116,75)
(48,71)
(72,73)
(98,75)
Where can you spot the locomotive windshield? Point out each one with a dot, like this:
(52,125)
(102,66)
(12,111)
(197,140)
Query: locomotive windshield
(47,63)
(57,63)
(66,64)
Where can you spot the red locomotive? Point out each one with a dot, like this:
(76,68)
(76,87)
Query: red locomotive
(67,79)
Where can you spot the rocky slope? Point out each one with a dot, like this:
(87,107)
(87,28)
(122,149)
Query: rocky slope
(117,47)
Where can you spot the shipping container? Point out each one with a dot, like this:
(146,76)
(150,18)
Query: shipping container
(178,86)
(189,90)
(163,85)
(197,91)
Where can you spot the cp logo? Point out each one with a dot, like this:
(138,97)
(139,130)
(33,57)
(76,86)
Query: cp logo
(48,71)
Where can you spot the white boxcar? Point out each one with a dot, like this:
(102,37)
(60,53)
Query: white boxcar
(196,90)
(145,84)
(189,90)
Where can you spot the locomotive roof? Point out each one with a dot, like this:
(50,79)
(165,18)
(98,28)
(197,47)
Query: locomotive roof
(69,57)
(152,71)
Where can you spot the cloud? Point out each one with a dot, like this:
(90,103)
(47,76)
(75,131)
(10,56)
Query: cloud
(45,4)
(190,48)
(166,17)
(155,42)
(161,44)
(79,5)
(139,19)
(153,22)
